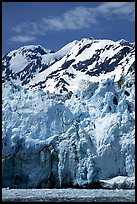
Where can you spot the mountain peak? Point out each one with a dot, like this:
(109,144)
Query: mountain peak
(30,48)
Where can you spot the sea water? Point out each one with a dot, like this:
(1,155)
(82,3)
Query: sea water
(67,195)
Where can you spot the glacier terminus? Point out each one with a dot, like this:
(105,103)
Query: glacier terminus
(68,117)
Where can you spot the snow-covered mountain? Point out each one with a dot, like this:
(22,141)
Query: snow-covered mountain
(59,72)
(84,137)
(23,64)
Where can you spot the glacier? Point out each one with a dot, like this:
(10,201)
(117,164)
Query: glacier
(82,138)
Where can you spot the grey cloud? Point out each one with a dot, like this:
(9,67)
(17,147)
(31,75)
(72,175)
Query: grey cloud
(22,38)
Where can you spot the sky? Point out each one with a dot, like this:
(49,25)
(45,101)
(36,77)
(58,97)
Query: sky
(54,24)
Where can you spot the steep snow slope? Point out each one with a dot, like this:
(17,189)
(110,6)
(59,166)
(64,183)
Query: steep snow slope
(20,58)
(23,64)
(60,72)
(74,139)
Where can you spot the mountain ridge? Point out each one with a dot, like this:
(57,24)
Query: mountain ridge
(60,71)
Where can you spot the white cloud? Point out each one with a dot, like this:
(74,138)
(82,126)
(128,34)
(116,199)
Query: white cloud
(21,38)
(75,19)
(119,9)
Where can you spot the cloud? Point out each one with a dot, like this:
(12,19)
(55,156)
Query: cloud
(118,9)
(22,38)
(29,28)
(82,17)
(75,19)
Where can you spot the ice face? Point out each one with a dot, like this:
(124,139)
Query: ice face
(76,139)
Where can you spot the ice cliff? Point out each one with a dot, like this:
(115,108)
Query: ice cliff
(75,139)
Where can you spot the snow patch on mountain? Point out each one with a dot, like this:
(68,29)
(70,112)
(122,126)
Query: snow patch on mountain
(51,57)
